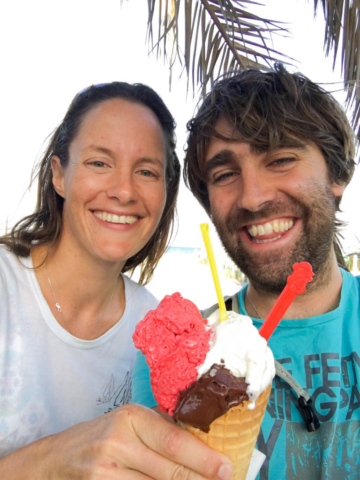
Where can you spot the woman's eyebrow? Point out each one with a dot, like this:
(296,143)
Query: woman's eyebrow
(220,159)
(152,160)
(110,153)
(100,149)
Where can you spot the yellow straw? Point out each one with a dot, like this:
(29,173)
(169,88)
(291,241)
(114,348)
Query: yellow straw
(205,233)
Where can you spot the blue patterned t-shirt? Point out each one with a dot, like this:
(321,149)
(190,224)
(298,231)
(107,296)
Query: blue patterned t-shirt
(323,354)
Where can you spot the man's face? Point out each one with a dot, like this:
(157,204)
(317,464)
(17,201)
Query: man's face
(271,209)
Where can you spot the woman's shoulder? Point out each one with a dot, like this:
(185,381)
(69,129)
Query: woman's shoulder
(140,293)
(5,253)
(8,259)
(11,267)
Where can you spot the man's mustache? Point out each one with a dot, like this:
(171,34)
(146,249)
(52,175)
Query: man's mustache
(239,217)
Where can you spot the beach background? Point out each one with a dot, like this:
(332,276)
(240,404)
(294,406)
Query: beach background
(187,271)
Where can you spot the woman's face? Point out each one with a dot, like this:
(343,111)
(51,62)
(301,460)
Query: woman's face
(114,183)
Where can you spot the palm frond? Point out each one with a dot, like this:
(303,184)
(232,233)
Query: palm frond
(212,37)
(342,36)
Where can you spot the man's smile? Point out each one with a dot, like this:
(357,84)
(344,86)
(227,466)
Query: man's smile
(269,231)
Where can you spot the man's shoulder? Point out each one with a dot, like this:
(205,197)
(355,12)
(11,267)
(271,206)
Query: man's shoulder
(357,280)
(352,281)
(231,303)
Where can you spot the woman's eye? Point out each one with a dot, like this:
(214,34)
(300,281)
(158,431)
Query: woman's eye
(98,163)
(147,173)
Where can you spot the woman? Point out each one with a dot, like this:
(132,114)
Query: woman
(106,200)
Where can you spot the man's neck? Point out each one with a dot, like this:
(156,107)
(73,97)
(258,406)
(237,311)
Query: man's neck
(323,296)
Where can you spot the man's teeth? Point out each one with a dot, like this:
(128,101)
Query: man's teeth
(256,240)
(112,218)
(270,227)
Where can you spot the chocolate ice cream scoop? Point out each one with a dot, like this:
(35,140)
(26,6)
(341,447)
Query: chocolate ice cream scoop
(212,395)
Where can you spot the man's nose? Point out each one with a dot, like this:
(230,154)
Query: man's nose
(122,187)
(255,190)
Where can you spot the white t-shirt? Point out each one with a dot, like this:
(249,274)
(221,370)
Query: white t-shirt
(49,379)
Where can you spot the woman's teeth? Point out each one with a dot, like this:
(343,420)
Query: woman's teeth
(112,218)
(268,228)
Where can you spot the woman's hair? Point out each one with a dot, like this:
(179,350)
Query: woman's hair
(44,226)
(266,110)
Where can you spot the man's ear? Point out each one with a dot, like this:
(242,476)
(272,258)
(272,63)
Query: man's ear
(338,189)
(58,176)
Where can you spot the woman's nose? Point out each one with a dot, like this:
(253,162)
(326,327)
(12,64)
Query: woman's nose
(123,188)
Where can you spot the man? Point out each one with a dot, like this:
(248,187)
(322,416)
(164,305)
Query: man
(269,156)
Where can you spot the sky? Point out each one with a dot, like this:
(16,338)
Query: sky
(52,49)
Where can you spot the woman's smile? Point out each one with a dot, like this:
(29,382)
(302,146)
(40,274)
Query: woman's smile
(123,219)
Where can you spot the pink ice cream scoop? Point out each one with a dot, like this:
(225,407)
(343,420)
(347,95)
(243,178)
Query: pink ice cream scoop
(175,341)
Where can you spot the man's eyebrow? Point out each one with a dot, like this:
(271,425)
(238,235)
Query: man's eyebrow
(220,159)
(288,142)
(293,143)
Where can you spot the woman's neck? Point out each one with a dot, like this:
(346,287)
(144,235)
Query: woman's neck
(89,291)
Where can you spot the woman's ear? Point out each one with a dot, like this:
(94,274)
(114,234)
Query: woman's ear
(58,176)
(338,189)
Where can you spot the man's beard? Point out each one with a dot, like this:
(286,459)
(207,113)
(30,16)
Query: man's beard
(268,271)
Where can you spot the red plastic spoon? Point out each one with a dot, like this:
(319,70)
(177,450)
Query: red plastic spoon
(295,285)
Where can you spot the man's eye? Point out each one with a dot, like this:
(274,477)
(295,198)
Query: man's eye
(223,177)
(282,161)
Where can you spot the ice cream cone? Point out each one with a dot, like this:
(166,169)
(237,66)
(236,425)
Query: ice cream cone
(234,434)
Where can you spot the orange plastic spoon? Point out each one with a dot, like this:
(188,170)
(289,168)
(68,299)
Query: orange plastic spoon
(296,284)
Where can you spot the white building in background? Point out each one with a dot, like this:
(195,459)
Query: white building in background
(354,259)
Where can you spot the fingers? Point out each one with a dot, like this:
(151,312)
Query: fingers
(178,451)
(169,470)
(116,474)
(153,465)
(158,467)
(132,475)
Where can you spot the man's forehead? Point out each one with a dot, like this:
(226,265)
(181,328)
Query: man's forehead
(224,128)
(230,134)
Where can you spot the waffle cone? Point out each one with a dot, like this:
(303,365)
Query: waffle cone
(235,433)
